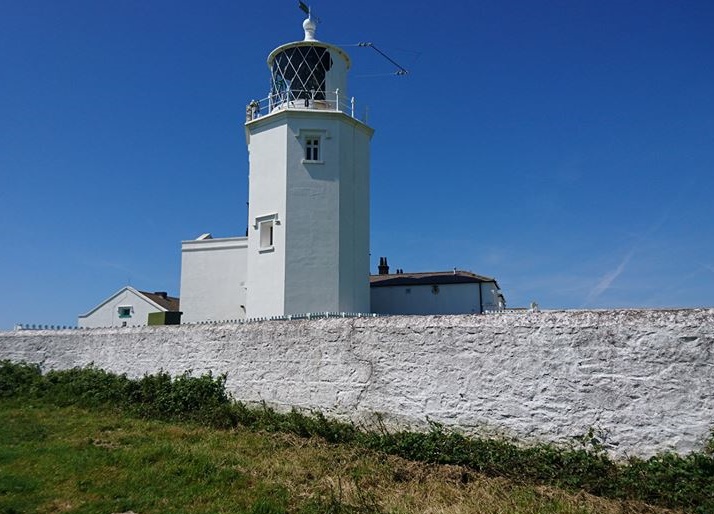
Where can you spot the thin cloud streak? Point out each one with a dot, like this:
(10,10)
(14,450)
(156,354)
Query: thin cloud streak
(606,281)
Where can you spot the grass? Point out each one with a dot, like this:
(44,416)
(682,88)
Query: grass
(360,485)
(68,459)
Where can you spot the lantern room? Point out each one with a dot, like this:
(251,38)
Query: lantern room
(308,74)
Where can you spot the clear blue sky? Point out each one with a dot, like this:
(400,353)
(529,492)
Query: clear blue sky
(564,147)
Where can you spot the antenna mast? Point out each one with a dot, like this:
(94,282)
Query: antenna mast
(400,70)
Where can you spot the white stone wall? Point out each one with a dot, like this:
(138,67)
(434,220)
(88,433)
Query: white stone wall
(643,378)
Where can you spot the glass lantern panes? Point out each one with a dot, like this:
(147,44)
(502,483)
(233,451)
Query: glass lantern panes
(299,73)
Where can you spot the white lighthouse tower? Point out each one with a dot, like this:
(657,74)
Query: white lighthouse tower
(308,234)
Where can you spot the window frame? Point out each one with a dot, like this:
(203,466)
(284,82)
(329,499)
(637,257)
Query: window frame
(312,148)
(313,141)
(265,225)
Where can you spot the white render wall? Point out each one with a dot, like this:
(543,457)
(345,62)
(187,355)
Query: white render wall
(265,295)
(312,256)
(320,259)
(422,299)
(336,77)
(643,378)
(354,217)
(213,279)
(107,314)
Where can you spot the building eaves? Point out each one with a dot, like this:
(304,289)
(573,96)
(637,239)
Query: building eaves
(428,278)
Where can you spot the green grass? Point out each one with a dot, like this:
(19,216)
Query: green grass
(69,459)
(667,480)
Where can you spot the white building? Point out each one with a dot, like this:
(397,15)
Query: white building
(307,248)
(126,308)
(213,278)
(442,292)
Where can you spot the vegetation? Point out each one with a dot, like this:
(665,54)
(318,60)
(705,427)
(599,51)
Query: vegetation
(122,455)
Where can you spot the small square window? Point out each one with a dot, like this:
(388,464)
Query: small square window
(312,148)
(124,311)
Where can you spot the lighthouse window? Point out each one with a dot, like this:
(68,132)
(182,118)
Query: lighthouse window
(266,235)
(265,225)
(312,148)
(299,73)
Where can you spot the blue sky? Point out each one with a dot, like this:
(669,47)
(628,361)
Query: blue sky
(564,147)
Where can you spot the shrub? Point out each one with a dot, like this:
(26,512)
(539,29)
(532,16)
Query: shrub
(18,379)
(184,398)
(85,387)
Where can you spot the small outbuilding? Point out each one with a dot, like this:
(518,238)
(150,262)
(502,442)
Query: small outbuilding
(128,307)
(436,292)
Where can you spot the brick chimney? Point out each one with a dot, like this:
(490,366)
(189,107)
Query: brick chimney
(383,266)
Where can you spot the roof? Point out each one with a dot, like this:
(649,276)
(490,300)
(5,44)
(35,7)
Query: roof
(169,303)
(161,300)
(428,278)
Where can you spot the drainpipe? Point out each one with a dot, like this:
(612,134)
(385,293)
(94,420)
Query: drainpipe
(480,297)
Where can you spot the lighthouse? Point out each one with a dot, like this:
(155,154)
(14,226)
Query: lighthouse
(306,249)
(308,215)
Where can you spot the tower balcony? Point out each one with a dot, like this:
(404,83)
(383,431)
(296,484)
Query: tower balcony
(331,101)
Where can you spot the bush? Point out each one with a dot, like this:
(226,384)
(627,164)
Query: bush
(184,398)
(670,480)
(85,387)
(18,379)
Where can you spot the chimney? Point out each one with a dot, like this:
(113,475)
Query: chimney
(383,266)
(162,294)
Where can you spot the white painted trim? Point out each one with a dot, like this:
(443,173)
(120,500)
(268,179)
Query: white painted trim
(275,116)
(195,245)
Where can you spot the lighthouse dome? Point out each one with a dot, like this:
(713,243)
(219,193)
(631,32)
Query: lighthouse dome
(308,74)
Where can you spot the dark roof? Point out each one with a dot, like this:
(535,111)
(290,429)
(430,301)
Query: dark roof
(167,302)
(427,279)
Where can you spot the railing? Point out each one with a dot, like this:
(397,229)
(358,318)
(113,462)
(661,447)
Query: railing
(27,326)
(299,100)
(288,317)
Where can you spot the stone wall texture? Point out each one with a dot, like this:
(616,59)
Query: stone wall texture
(644,379)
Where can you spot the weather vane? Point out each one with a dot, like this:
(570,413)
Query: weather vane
(306,9)
(400,69)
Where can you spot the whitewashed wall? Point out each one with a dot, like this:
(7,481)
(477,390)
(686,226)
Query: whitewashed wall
(107,314)
(644,378)
(213,279)
(320,258)
(463,298)
(266,139)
